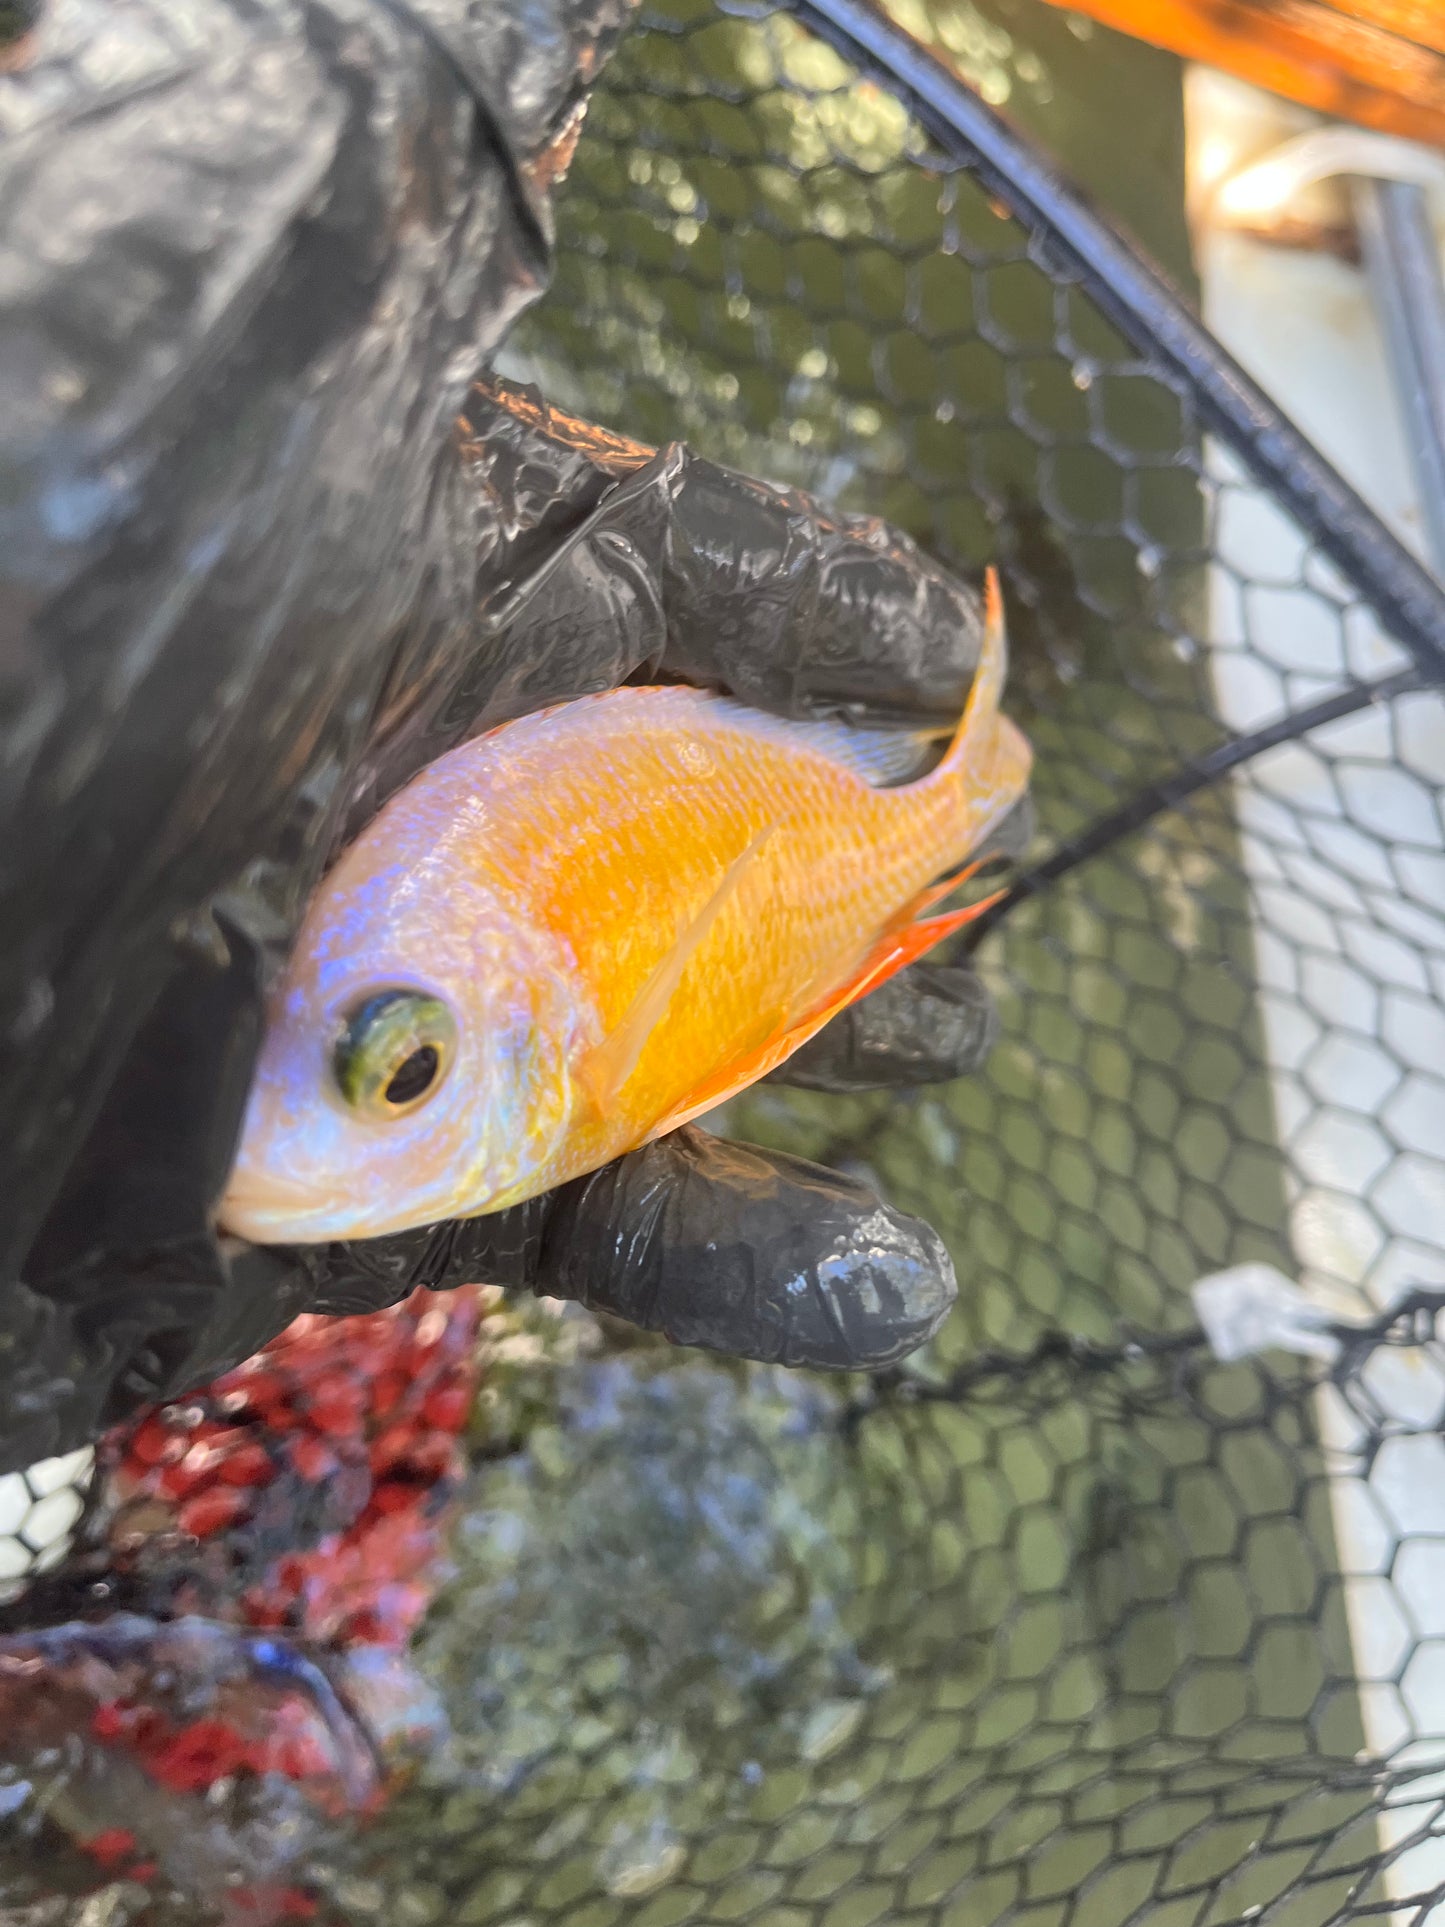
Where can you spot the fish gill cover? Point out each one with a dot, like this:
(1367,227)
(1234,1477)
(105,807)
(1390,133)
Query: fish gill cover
(1068,1625)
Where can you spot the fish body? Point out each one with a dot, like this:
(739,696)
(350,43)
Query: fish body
(574,933)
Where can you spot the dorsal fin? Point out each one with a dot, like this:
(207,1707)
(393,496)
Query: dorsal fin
(881,758)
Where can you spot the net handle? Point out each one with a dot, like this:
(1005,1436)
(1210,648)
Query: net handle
(1150,312)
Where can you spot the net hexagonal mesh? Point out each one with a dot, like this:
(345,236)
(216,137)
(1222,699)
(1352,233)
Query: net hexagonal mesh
(1067,1624)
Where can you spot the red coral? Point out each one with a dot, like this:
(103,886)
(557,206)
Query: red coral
(364,1413)
(306,1492)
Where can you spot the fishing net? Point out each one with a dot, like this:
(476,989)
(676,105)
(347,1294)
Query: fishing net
(1068,1623)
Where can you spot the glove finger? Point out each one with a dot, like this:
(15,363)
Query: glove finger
(928,1025)
(367,1274)
(750,1253)
(740,1251)
(802,609)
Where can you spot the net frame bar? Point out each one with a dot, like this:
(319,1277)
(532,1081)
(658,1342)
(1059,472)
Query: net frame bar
(1139,299)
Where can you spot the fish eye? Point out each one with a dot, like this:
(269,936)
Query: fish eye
(393,1052)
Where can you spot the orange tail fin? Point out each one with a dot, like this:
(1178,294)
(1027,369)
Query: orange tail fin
(988,756)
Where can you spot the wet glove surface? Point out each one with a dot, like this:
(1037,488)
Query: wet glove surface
(265,555)
(694,1237)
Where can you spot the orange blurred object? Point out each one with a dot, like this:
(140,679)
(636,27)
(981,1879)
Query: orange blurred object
(1380,63)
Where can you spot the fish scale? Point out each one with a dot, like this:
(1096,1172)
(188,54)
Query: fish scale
(628,906)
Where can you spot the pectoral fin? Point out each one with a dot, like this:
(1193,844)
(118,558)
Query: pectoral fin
(609,1065)
(898,947)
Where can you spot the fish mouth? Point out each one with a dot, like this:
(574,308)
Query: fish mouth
(279,1211)
(273,1210)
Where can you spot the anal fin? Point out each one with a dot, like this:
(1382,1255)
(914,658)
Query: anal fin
(937,893)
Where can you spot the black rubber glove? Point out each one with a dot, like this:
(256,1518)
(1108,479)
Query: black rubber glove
(252,577)
(691,1236)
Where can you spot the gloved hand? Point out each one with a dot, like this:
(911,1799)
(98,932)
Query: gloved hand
(255,572)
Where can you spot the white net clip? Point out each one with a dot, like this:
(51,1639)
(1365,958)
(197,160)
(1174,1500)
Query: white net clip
(1254,1308)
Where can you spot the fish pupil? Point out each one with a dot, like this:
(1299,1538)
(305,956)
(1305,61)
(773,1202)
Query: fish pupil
(415,1075)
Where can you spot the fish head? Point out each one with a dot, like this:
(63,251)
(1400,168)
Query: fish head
(415,1065)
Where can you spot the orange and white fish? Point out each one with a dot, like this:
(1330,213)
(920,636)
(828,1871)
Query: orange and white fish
(573,934)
